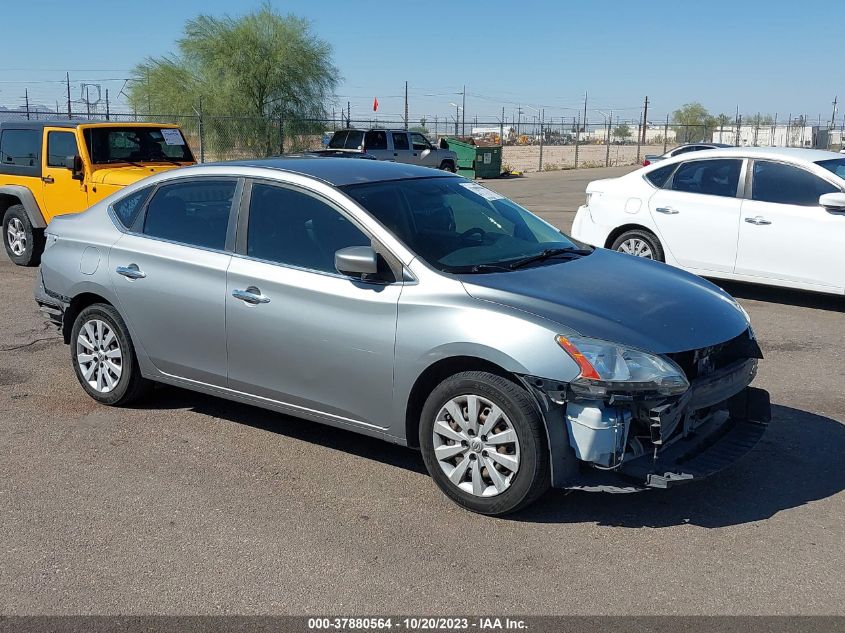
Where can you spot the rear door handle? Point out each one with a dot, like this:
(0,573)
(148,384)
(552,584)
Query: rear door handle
(131,272)
(667,210)
(758,220)
(251,295)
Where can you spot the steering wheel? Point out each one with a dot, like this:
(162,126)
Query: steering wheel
(481,233)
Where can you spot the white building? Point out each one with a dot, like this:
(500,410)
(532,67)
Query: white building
(779,136)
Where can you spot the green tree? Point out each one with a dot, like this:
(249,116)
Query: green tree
(622,132)
(263,68)
(692,122)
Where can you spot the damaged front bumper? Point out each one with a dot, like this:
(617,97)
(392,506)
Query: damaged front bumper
(625,445)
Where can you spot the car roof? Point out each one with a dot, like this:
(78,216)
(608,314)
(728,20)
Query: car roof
(337,171)
(37,125)
(791,154)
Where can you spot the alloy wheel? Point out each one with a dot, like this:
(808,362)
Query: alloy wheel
(16,236)
(636,247)
(99,355)
(476,446)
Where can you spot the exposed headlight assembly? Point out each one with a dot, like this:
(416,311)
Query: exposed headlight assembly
(608,368)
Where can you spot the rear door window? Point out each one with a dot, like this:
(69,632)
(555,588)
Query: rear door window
(716,177)
(195,212)
(376,139)
(787,184)
(400,140)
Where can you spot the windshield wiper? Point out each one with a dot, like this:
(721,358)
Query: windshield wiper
(569,251)
(119,160)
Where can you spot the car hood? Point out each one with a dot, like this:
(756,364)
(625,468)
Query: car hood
(123,176)
(619,298)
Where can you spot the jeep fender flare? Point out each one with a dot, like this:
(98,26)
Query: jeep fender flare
(26,199)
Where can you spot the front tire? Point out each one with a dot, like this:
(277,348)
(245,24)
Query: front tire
(484,443)
(639,243)
(23,242)
(103,357)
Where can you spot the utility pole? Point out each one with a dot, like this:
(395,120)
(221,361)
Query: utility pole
(542,117)
(69,113)
(577,137)
(108,112)
(406,105)
(585,115)
(348,114)
(464,112)
(738,129)
(502,128)
(666,134)
(645,119)
(457,117)
(607,131)
(26,97)
(832,121)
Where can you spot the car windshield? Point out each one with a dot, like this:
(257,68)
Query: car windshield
(136,144)
(837,166)
(457,225)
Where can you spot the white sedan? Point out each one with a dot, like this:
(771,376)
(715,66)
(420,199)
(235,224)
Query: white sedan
(764,215)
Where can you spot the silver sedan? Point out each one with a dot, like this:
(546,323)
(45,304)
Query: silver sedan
(411,305)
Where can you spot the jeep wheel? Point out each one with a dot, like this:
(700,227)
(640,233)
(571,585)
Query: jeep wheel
(23,242)
(448,165)
(484,443)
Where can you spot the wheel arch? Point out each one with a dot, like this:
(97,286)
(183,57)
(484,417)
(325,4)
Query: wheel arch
(432,376)
(77,305)
(619,230)
(11,195)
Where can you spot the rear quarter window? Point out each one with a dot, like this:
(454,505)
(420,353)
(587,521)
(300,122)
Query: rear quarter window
(20,147)
(659,176)
(126,209)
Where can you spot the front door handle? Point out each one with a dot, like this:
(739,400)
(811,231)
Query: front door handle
(251,295)
(48,179)
(131,271)
(758,220)
(667,210)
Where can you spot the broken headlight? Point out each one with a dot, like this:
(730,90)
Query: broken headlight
(608,368)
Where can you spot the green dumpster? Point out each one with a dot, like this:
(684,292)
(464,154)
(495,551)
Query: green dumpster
(477,158)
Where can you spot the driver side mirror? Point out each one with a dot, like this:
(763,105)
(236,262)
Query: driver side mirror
(356,261)
(833,202)
(74,164)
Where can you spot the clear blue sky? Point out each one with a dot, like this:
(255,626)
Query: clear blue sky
(766,56)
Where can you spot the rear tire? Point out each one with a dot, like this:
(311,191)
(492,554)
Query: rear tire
(104,358)
(24,243)
(639,243)
(495,470)
(448,165)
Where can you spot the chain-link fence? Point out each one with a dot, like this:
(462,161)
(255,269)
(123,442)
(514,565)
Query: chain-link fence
(529,145)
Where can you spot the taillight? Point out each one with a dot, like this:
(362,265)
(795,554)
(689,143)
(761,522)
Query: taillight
(646,162)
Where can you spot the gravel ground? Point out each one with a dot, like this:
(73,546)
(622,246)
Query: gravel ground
(189,504)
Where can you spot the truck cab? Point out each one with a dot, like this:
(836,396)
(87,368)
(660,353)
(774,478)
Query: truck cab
(49,168)
(400,146)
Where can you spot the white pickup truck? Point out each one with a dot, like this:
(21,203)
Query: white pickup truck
(396,145)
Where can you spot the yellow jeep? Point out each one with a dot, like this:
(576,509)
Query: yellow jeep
(48,168)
